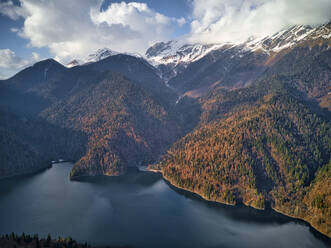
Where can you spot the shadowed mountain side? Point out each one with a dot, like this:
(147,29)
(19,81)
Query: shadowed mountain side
(137,70)
(41,140)
(16,156)
(222,67)
(48,90)
(126,125)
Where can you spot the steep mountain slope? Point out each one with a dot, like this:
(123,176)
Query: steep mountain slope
(22,98)
(308,69)
(37,87)
(318,200)
(227,67)
(51,108)
(266,151)
(289,38)
(50,81)
(178,52)
(305,71)
(264,134)
(98,55)
(260,111)
(32,77)
(29,144)
(196,69)
(126,124)
(172,57)
(48,142)
(138,70)
(16,157)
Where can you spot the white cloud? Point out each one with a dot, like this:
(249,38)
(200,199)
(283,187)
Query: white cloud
(75,28)
(181,21)
(10,63)
(236,20)
(11,10)
(8,59)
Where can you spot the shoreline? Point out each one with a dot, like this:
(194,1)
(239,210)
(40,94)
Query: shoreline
(196,194)
(26,173)
(233,205)
(302,219)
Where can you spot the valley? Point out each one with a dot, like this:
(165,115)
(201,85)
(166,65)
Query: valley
(244,123)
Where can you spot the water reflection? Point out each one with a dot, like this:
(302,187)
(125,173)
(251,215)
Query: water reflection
(139,210)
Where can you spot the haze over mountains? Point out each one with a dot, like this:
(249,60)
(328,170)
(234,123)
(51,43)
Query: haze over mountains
(246,122)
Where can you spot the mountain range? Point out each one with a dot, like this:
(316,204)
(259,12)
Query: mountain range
(235,123)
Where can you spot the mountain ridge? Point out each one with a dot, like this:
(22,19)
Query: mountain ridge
(174,56)
(236,123)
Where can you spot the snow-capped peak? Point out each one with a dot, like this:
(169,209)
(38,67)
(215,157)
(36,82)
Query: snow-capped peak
(104,53)
(288,38)
(74,63)
(175,52)
(100,54)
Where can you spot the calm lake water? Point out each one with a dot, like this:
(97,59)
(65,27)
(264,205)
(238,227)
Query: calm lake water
(139,210)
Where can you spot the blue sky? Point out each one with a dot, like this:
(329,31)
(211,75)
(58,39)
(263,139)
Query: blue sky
(10,40)
(32,30)
(174,8)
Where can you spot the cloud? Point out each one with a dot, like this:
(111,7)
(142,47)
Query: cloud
(235,20)
(73,29)
(10,63)
(11,10)
(8,59)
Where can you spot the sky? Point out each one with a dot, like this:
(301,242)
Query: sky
(32,30)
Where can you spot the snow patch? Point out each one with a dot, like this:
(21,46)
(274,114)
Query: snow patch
(175,52)
(100,54)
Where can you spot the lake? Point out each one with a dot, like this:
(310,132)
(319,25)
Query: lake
(139,210)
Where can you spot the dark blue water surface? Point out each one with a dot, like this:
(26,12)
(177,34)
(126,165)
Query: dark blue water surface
(139,210)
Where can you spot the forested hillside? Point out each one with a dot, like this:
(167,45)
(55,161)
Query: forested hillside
(30,144)
(16,156)
(268,142)
(244,123)
(264,143)
(126,125)
(91,114)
